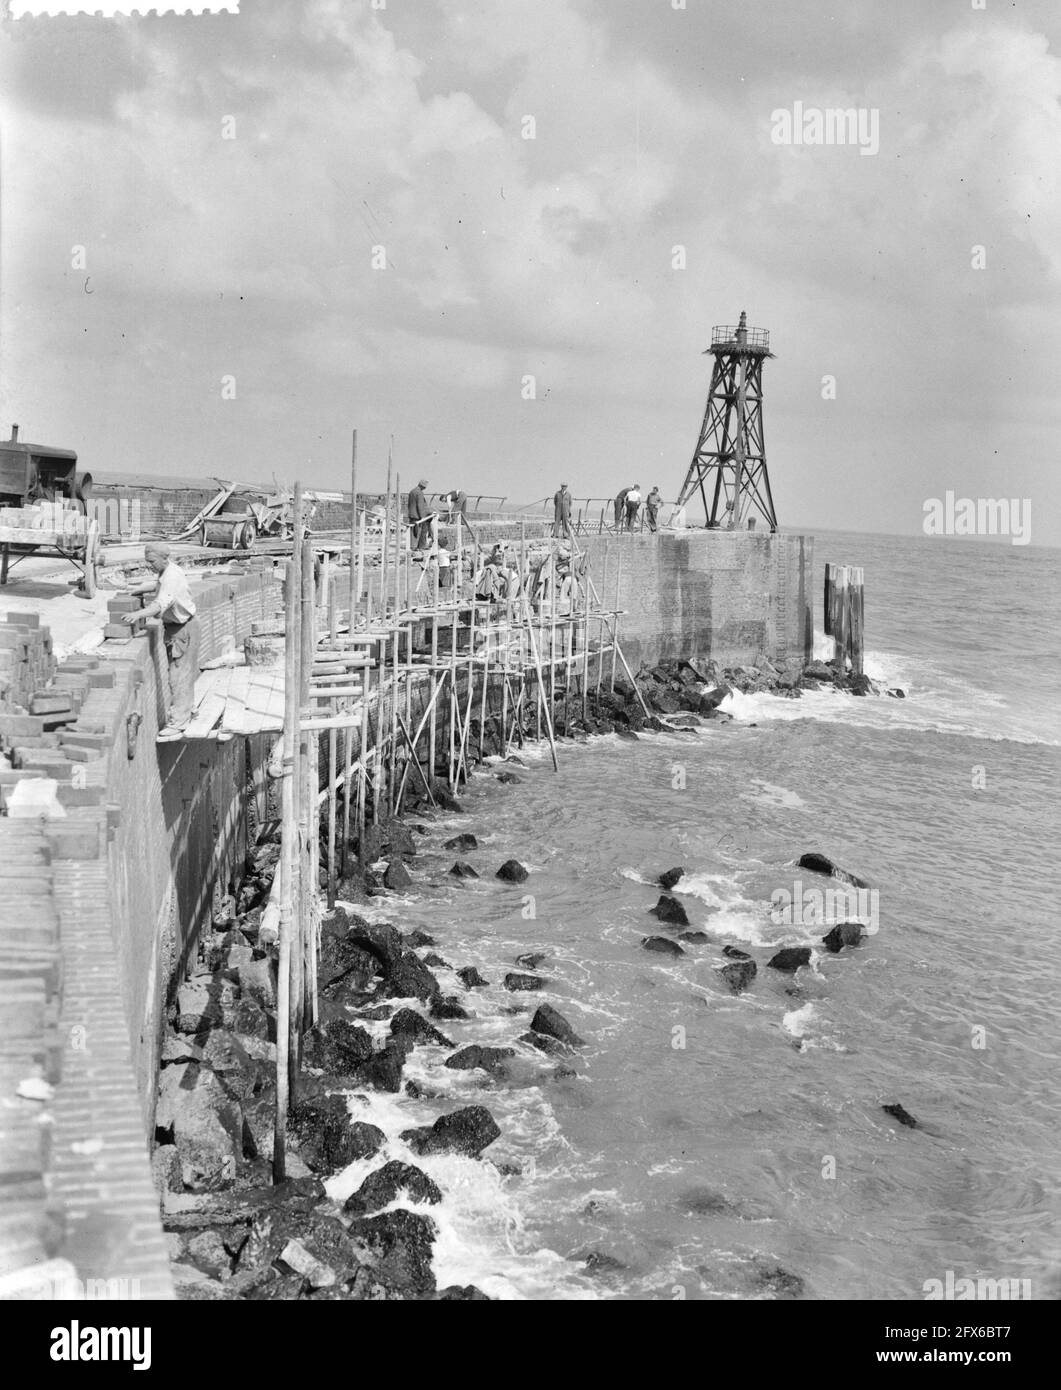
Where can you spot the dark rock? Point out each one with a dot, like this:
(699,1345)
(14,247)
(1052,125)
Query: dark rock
(491,1059)
(398,839)
(419,938)
(516,981)
(397,878)
(445,799)
(508,778)
(860,685)
(735,953)
(670,910)
(790,958)
(597,1262)
(435,961)
(670,877)
(324,1136)
(819,864)
(383,1070)
(903,1116)
(704,1201)
(897,694)
(320,1235)
(337,1046)
(468,1131)
(512,871)
(695,938)
(409,978)
(778,1281)
(662,945)
(370,846)
(414,1028)
(401,1242)
(463,1293)
(447,1006)
(470,977)
(713,698)
(462,841)
(462,870)
(738,975)
(384,1186)
(553,1024)
(550,1046)
(379,939)
(532,959)
(843,934)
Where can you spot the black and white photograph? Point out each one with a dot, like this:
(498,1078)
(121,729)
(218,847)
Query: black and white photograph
(529,667)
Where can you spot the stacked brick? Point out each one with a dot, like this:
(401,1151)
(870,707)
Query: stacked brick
(118,609)
(26,659)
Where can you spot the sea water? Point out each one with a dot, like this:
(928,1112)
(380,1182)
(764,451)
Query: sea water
(713,1146)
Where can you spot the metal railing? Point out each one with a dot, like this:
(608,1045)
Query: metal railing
(732,335)
(595,516)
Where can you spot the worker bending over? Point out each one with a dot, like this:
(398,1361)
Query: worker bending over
(174,604)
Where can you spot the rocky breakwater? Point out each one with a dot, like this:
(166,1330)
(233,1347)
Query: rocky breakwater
(232,1233)
(686,694)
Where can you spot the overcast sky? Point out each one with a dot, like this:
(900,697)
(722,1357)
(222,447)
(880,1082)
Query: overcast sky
(404,127)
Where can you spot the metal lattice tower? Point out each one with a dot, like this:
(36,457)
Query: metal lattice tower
(729,465)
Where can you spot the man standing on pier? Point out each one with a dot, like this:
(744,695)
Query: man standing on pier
(562,511)
(633,504)
(419,516)
(175,606)
(653,502)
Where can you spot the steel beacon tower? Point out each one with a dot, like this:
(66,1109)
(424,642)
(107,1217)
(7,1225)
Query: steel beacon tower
(729,465)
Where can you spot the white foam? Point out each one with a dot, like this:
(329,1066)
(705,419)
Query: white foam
(481,1220)
(797,1021)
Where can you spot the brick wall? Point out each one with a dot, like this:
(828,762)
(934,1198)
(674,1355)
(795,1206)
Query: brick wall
(102,907)
(728,595)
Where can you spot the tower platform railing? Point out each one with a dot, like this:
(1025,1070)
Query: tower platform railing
(734,338)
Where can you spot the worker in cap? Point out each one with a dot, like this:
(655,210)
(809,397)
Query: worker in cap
(420,516)
(562,511)
(173,603)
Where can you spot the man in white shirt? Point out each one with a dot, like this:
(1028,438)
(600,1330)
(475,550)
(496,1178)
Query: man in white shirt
(175,606)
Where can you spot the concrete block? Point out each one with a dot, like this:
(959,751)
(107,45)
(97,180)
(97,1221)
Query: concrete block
(51,761)
(20,725)
(45,702)
(24,619)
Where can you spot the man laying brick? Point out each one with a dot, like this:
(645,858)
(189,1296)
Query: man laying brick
(174,604)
